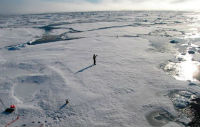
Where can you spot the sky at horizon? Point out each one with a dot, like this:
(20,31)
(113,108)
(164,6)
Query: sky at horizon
(43,6)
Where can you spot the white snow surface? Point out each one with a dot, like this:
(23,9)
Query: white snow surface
(127,83)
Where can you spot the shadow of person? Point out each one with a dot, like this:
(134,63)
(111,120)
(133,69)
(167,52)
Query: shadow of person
(8,111)
(63,106)
(85,68)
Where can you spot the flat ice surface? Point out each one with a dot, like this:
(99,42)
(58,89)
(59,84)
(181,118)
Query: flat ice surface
(142,58)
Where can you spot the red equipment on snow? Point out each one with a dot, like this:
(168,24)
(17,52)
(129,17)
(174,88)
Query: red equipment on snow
(12,106)
(11,109)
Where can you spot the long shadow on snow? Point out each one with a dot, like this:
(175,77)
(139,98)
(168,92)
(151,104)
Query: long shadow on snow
(84,69)
(61,107)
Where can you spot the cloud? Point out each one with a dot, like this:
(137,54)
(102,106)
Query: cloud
(179,1)
(73,1)
(41,6)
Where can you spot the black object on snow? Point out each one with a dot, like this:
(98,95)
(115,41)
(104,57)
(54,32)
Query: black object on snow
(174,41)
(10,110)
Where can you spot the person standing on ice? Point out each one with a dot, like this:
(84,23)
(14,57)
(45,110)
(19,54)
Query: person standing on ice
(67,101)
(94,58)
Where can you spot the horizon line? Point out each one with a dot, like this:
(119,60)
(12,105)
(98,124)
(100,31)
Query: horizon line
(85,11)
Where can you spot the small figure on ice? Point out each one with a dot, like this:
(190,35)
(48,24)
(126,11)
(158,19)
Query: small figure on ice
(94,58)
(11,109)
(67,101)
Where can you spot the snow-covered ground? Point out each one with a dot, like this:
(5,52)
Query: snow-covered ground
(146,65)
